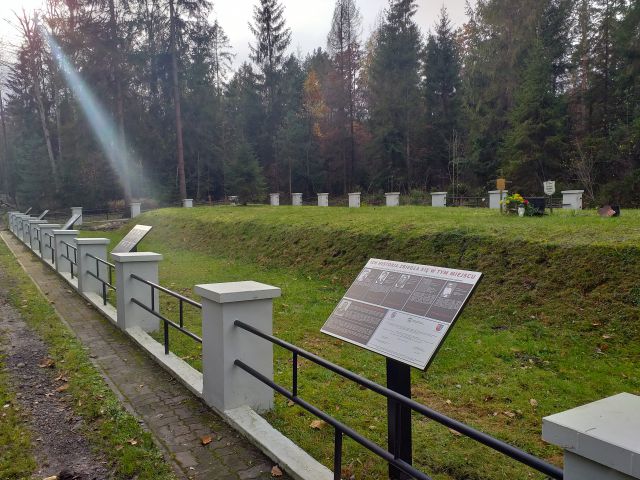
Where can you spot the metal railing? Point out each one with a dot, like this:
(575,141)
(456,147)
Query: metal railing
(167,322)
(38,240)
(51,245)
(105,284)
(469,202)
(400,400)
(67,256)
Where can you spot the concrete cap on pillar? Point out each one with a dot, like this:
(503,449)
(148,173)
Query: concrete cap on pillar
(93,241)
(236,291)
(605,432)
(136,257)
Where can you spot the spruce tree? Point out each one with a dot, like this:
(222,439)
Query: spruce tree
(442,93)
(394,84)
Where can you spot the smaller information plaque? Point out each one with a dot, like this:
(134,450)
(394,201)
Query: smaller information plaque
(402,310)
(71,221)
(132,239)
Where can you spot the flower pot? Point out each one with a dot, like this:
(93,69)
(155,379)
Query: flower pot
(521,211)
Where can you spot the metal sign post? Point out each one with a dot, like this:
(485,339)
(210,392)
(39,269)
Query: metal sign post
(549,190)
(399,436)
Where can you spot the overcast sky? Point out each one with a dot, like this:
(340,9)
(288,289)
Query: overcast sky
(309,20)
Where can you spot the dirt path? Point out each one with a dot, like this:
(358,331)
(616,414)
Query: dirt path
(59,446)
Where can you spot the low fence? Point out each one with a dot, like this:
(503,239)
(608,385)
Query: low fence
(237,351)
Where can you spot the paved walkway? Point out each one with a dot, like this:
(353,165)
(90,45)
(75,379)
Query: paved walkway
(175,417)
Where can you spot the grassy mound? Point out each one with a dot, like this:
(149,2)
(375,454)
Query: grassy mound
(553,324)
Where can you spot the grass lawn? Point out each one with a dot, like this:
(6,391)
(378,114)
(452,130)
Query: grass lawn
(108,425)
(554,323)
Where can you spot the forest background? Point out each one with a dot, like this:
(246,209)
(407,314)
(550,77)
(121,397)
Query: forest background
(532,90)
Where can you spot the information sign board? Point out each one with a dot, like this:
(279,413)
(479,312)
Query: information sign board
(549,188)
(403,311)
(71,221)
(43,214)
(131,239)
(501,184)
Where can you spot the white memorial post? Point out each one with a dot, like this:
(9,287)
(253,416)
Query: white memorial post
(439,199)
(572,199)
(495,197)
(69,236)
(48,252)
(274,199)
(24,227)
(187,203)
(77,211)
(98,248)
(135,209)
(601,440)
(393,199)
(323,199)
(11,218)
(296,199)
(354,200)
(144,265)
(33,233)
(225,386)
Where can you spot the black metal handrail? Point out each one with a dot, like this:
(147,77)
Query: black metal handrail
(341,429)
(51,245)
(105,284)
(67,257)
(167,322)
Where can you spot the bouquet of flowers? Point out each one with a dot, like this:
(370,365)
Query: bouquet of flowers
(514,202)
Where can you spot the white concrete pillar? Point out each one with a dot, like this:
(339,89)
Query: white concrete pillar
(354,200)
(10,219)
(33,234)
(572,199)
(274,199)
(145,265)
(77,211)
(62,264)
(495,197)
(600,439)
(187,203)
(135,209)
(393,199)
(48,252)
(226,386)
(98,248)
(296,199)
(439,199)
(24,228)
(323,199)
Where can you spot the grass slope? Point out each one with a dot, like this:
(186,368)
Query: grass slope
(554,323)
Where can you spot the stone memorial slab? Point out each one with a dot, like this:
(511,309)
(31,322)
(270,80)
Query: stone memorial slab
(71,221)
(403,311)
(132,239)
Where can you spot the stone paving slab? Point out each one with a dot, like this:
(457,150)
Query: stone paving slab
(174,416)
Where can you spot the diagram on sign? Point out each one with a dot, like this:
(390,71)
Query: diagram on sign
(401,310)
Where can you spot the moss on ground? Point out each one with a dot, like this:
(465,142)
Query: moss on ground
(554,323)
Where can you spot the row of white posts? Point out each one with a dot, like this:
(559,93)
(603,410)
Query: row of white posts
(601,440)
(571,199)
